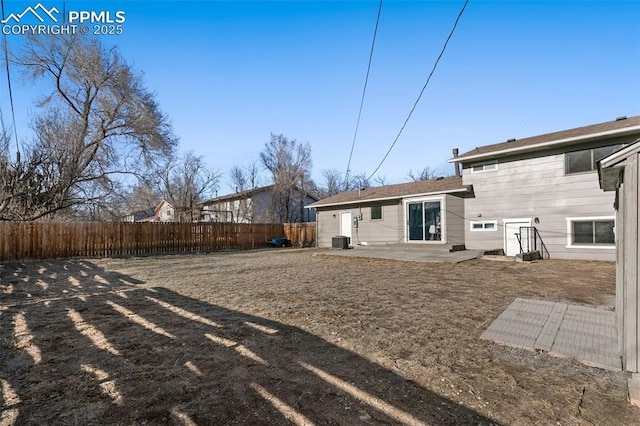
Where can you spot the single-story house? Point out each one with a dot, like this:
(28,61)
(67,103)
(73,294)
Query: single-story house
(620,173)
(547,182)
(423,212)
(259,205)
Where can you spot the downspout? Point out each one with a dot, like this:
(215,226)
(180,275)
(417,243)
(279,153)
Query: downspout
(317,235)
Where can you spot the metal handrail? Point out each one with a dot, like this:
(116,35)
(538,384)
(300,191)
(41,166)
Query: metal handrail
(538,244)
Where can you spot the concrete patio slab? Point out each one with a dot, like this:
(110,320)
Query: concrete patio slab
(407,252)
(585,333)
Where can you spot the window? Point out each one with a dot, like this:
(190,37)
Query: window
(586,159)
(376,212)
(169,212)
(488,225)
(484,167)
(591,232)
(424,221)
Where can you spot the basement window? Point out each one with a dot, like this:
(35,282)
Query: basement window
(595,232)
(487,225)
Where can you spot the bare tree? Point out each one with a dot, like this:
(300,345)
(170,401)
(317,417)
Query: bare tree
(97,125)
(359,181)
(332,182)
(28,184)
(380,180)
(289,163)
(425,174)
(145,195)
(186,181)
(238,178)
(244,178)
(252,173)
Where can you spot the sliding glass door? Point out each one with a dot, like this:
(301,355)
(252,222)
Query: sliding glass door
(424,222)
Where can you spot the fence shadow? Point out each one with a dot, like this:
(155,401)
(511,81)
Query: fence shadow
(115,351)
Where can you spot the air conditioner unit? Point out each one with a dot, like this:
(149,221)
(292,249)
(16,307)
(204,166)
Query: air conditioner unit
(340,242)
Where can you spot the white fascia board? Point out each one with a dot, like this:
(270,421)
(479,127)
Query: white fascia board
(620,155)
(395,197)
(550,144)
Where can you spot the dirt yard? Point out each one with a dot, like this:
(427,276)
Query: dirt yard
(260,337)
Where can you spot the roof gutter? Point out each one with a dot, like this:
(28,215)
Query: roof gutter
(395,197)
(535,147)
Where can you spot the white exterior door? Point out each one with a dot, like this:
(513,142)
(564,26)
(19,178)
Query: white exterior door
(511,230)
(345,224)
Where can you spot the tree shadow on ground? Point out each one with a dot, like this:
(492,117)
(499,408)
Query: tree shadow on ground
(83,345)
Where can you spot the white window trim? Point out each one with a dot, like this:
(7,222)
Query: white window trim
(443,219)
(570,220)
(483,229)
(484,164)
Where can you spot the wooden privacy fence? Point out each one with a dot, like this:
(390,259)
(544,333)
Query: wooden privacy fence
(301,234)
(46,240)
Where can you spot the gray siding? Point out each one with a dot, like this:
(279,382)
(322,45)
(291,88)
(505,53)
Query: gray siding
(327,226)
(261,207)
(536,188)
(391,228)
(379,231)
(455,224)
(628,299)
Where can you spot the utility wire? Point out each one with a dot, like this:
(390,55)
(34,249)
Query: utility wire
(364,90)
(6,62)
(415,104)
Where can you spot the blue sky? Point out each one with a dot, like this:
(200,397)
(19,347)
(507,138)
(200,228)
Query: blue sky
(230,73)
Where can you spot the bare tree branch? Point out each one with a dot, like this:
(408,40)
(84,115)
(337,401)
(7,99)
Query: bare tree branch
(97,116)
(289,163)
(425,174)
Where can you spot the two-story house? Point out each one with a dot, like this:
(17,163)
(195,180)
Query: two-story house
(164,212)
(259,205)
(547,182)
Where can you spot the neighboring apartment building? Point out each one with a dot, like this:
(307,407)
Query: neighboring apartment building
(549,182)
(258,206)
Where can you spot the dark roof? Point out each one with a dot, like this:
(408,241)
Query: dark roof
(432,186)
(245,194)
(559,138)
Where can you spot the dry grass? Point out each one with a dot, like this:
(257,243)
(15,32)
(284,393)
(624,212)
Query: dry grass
(257,337)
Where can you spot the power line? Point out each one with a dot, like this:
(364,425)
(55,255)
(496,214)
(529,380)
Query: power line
(415,104)
(6,61)
(364,90)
